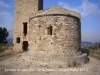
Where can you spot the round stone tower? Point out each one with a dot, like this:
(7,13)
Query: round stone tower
(55,38)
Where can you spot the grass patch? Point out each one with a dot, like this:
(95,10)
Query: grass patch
(7,49)
(95,53)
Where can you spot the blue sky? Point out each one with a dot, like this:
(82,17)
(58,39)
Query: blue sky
(89,10)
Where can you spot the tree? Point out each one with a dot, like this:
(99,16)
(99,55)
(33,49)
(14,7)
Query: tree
(3,35)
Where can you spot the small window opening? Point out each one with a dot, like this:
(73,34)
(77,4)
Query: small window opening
(25,28)
(40,6)
(49,30)
(18,40)
(39,26)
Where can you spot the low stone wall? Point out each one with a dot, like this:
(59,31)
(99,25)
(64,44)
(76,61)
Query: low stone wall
(55,62)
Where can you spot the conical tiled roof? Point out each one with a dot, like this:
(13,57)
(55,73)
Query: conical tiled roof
(56,10)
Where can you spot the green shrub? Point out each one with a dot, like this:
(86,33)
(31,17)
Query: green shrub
(84,50)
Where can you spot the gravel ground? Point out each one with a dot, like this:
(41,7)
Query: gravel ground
(15,65)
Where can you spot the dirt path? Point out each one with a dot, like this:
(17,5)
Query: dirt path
(15,65)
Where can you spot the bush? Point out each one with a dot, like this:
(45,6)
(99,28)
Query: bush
(4,47)
(3,35)
(85,51)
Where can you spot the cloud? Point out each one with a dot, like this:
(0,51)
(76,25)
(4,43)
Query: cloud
(3,5)
(90,13)
(65,5)
(85,9)
(6,18)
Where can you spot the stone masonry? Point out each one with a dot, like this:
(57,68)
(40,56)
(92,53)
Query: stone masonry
(23,9)
(65,33)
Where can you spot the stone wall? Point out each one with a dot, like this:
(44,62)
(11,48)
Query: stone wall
(23,9)
(64,41)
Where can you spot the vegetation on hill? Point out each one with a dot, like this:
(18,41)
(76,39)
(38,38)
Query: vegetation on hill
(93,52)
(3,35)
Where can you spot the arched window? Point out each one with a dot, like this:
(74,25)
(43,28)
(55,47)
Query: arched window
(18,39)
(49,30)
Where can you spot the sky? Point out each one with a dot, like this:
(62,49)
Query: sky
(89,10)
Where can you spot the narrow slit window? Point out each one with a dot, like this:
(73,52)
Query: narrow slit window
(49,30)
(25,28)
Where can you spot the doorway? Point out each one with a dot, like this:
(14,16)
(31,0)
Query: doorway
(25,46)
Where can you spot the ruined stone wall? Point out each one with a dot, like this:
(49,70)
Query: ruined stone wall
(22,11)
(64,41)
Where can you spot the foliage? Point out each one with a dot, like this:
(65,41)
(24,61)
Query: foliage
(84,50)
(3,35)
(95,53)
(97,46)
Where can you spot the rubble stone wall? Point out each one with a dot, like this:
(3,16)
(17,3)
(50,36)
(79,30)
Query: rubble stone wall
(65,39)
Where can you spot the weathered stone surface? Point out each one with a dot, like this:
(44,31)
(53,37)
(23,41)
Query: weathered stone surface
(50,37)
(65,37)
(23,9)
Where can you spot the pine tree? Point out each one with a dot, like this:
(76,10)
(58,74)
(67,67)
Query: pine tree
(3,35)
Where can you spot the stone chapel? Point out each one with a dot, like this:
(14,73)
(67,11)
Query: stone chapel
(51,36)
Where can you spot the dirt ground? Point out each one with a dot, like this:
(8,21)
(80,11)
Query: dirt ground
(15,65)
